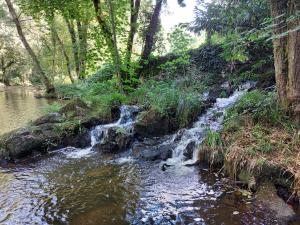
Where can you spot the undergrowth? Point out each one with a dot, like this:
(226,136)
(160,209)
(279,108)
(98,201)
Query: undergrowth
(257,135)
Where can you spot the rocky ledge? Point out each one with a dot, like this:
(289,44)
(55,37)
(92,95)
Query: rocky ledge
(68,127)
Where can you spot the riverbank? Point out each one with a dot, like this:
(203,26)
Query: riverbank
(258,143)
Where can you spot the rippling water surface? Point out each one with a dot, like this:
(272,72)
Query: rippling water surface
(18,106)
(61,189)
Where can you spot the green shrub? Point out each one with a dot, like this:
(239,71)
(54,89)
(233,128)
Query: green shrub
(105,73)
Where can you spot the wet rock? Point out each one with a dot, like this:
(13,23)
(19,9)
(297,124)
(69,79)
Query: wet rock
(150,151)
(80,140)
(247,178)
(115,140)
(74,108)
(189,150)
(267,194)
(20,143)
(50,118)
(154,124)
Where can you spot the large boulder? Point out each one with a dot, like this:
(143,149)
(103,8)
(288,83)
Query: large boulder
(68,127)
(154,124)
(50,118)
(25,141)
(115,140)
(152,149)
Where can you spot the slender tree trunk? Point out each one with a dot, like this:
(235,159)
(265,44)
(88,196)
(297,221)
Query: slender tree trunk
(287,54)
(48,84)
(134,8)
(68,62)
(150,33)
(134,12)
(208,36)
(293,42)
(82,36)
(54,44)
(75,45)
(110,36)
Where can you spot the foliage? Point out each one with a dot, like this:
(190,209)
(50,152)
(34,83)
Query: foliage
(213,139)
(52,108)
(104,73)
(167,97)
(180,40)
(261,106)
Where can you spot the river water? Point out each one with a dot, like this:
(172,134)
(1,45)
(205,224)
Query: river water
(18,106)
(84,187)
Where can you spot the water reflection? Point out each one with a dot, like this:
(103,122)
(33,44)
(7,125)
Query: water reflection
(94,191)
(18,106)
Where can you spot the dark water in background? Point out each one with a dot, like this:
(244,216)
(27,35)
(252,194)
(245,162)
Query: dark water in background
(18,106)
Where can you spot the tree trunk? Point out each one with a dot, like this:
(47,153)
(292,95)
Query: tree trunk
(69,66)
(293,42)
(75,45)
(134,8)
(208,36)
(287,54)
(49,86)
(134,12)
(279,7)
(82,36)
(150,33)
(110,36)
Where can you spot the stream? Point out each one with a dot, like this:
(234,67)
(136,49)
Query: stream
(85,187)
(18,107)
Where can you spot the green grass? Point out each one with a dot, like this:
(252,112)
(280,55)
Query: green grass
(168,97)
(52,108)
(213,139)
(260,106)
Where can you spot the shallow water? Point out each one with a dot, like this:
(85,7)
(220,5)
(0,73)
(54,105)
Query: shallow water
(60,189)
(18,106)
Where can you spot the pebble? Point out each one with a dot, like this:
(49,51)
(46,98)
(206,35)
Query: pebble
(235,213)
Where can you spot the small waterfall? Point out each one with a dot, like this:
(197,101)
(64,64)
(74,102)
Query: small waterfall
(190,139)
(126,121)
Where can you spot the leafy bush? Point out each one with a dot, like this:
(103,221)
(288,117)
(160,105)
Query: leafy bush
(106,72)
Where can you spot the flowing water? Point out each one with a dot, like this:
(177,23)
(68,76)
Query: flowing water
(82,187)
(18,106)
